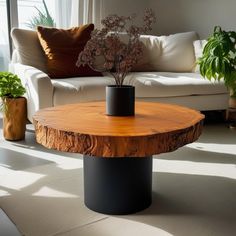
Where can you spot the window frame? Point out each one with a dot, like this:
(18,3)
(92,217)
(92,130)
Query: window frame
(12,20)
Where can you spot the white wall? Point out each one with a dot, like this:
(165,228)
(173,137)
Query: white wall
(180,15)
(125,7)
(193,15)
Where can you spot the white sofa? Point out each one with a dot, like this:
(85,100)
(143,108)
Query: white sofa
(167,73)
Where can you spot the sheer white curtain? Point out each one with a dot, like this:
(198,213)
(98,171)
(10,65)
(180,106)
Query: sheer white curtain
(87,11)
(63,13)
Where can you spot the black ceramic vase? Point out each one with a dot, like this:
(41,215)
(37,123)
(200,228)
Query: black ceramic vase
(120,100)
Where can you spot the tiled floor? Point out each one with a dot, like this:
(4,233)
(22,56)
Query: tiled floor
(194,191)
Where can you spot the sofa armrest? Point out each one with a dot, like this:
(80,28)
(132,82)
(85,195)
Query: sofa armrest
(39,89)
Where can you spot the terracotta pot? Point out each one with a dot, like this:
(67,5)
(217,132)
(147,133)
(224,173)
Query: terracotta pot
(14,118)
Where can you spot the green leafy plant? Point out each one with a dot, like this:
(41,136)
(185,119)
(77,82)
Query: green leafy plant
(10,87)
(219,59)
(43,18)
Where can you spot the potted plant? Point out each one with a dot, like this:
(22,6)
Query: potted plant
(118,48)
(13,106)
(43,18)
(218,61)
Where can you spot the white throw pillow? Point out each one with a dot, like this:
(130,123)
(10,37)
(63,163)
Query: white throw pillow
(198,50)
(177,52)
(151,53)
(29,50)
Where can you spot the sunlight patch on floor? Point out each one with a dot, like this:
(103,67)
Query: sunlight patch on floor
(71,163)
(215,147)
(17,180)
(195,168)
(116,226)
(49,192)
(4,193)
(4,165)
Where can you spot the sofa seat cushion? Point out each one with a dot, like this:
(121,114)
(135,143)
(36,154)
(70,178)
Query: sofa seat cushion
(167,84)
(80,89)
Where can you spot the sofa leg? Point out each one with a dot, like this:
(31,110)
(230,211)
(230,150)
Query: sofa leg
(231,117)
(217,116)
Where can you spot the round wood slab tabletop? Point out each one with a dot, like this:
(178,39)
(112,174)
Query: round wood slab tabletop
(85,128)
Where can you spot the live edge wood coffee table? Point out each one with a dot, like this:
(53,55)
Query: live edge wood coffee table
(117,150)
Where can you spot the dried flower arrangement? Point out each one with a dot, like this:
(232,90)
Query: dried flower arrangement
(118,56)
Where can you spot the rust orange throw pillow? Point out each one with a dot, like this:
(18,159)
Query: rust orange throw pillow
(62,48)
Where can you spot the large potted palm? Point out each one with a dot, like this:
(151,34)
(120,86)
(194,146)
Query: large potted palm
(218,61)
(13,106)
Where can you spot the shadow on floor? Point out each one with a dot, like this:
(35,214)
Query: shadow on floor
(18,161)
(196,155)
(183,205)
(189,205)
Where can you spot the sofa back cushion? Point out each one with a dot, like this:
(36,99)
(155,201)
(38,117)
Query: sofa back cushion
(151,53)
(177,53)
(62,48)
(28,48)
(173,53)
(198,50)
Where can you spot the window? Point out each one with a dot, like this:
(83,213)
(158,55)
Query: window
(4,40)
(22,13)
(29,12)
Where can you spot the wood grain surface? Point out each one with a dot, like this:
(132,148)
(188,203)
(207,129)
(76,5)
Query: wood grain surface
(85,128)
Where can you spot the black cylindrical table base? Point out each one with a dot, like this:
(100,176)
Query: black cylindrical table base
(117,185)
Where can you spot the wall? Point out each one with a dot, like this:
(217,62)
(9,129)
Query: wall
(193,15)
(180,15)
(125,7)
